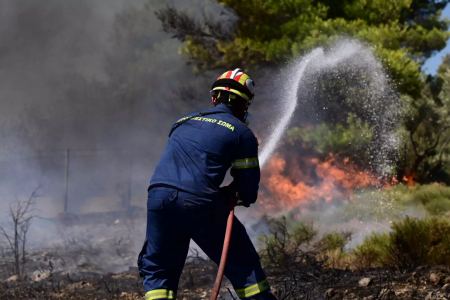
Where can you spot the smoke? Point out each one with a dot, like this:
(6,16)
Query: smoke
(102,80)
(88,92)
(99,78)
(42,44)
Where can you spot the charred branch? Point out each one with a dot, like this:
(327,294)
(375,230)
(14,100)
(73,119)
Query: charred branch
(20,216)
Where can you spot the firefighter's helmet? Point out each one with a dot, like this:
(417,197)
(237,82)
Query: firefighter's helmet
(236,82)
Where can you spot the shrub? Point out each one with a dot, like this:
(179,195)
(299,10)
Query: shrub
(290,245)
(333,241)
(435,197)
(284,246)
(372,204)
(389,203)
(439,251)
(331,249)
(411,243)
(438,206)
(373,252)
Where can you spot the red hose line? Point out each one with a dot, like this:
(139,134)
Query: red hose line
(223,259)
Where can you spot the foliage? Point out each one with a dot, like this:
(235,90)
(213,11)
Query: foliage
(392,202)
(403,33)
(330,249)
(435,198)
(348,139)
(412,242)
(285,244)
(333,241)
(426,155)
(373,252)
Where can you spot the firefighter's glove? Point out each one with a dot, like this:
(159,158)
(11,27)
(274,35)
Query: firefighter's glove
(232,196)
(228,191)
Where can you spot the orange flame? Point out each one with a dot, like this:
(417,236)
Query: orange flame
(409,180)
(300,182)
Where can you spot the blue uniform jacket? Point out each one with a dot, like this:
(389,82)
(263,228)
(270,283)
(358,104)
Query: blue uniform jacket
(202,148)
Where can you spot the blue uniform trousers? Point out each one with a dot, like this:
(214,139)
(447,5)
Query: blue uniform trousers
(174,217)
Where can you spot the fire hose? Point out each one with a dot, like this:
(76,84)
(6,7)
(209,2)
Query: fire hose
(224,256)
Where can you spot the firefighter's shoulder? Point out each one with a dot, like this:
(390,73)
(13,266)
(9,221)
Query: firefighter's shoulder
(246,136)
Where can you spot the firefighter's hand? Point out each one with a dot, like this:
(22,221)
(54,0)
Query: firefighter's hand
(232,196)
(228,192)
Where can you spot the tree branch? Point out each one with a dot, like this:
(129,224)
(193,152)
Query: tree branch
(181,26)
(8,238)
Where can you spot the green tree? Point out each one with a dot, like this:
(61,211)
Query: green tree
(403,33)
(427,130)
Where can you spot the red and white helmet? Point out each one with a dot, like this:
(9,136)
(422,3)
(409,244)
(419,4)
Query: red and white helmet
(236,82)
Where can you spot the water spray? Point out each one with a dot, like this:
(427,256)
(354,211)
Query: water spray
(289,100)
(378,104)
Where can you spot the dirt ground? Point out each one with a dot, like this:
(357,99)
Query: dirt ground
(313,282)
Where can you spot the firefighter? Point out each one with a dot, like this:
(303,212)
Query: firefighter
(185,200)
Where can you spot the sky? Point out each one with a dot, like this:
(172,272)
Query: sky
(432,64)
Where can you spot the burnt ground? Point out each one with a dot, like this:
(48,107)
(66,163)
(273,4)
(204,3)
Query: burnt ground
(311,282)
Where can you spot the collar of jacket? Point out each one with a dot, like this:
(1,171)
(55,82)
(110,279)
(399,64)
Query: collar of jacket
(226,109)
(221,108)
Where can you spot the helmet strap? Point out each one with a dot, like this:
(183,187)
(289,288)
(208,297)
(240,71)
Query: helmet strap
(231,97)
(214,99)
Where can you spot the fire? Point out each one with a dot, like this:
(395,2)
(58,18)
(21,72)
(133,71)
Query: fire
(409,180)
(292,183)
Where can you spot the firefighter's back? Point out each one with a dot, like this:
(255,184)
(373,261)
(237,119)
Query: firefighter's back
(199,152)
